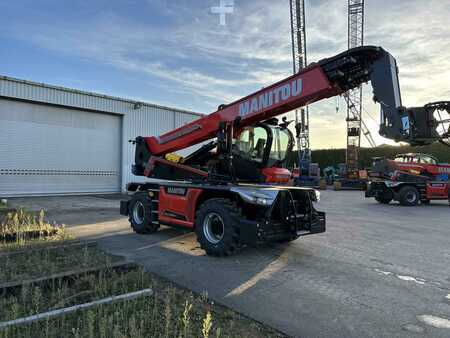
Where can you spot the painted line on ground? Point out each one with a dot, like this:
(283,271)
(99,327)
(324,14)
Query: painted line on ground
(411,279)
(406,278)
(435,321)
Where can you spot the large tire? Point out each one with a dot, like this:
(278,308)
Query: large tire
(140,214)
(409,196)
(217,227)
(382,200)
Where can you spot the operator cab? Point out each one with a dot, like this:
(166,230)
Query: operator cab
(260,152)
(416,158)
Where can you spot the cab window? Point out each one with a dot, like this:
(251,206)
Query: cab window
(280,145)
(251,143)
(427,160)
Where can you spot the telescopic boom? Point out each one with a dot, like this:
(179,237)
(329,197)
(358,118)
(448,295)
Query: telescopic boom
(326,78)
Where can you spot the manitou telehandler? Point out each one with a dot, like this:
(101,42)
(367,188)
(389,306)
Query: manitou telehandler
(233,190)
(410,179)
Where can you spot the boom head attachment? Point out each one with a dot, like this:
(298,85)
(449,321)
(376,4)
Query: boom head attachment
(416,125)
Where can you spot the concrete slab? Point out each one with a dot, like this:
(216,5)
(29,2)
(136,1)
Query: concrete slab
(374,272)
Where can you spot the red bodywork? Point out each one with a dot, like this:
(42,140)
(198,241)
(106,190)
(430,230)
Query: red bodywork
(308,86)
(178,209)
(436,190)
(276,175)
(155,160)
(424,169)
(439,185)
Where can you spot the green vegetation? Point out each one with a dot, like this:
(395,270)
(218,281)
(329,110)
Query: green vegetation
(47,261)
(170,311)
(17,227)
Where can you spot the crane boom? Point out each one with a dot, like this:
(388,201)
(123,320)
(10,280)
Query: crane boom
(326,78)
(305,87)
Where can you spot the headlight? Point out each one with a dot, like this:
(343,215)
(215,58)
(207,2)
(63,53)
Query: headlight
(262,201)
(316,196)
(255,197)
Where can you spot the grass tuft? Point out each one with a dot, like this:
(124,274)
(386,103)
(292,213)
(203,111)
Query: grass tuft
(170,311)
(18,227)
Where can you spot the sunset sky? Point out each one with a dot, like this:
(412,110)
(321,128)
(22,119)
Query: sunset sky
(175,52)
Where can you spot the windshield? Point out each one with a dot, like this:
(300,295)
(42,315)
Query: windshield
(252,141)
(280,145)
(415,159)
(427,160)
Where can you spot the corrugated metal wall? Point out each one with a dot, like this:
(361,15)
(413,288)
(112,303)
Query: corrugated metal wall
(148,122)
(54,150)
(142,119)
(27,90)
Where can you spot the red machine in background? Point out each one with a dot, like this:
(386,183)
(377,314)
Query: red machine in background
(410,179)
(225,191)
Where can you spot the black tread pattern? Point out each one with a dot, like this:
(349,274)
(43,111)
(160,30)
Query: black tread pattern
(148,227)
(402,195)
(231,215)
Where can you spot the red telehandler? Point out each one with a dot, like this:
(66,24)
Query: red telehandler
(232,191)
(410,179)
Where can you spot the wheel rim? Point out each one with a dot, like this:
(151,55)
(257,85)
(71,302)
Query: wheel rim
(411,197)
(213,227)
(138,212)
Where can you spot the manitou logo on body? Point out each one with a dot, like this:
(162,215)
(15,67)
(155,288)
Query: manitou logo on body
(176,191)
(270,98)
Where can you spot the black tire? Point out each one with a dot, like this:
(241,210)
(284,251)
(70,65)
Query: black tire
(409,196)
(140,214)
(217,227)
(382,200)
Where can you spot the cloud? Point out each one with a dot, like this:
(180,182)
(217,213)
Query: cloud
(180,47)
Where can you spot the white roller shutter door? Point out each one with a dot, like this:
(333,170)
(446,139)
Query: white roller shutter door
(51,150)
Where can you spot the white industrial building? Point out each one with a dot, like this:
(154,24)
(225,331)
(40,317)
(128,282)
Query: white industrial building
(56,140)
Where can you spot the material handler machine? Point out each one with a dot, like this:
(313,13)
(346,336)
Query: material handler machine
(410,179)
(234,191)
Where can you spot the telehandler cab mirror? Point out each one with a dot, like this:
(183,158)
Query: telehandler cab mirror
(285,123)
(221,137)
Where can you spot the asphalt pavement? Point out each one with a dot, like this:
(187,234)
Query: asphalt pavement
(378,271)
